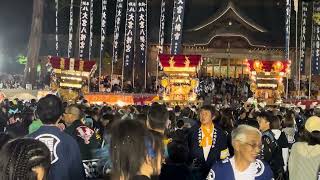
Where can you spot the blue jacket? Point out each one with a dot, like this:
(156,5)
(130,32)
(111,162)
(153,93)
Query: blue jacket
(223,171)
(66,163)
(218,151)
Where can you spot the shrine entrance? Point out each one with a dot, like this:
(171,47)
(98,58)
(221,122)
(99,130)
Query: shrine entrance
(222,67)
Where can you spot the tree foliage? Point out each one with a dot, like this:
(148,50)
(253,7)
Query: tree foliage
(21,59)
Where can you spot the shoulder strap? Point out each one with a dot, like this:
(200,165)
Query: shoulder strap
(270,135)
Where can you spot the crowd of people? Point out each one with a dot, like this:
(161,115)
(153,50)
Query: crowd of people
(51,139)
(107,85)
(224,90)
(11,82)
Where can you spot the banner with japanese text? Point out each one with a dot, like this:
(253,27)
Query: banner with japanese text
(315,41)
(161,29)
(304,11)
(70,29)
(140,63)
(129,41)
(177,26)
(57,27)
(102,33)
(287,26)
(116,33)
(91,29)
(84,22)
(103,23)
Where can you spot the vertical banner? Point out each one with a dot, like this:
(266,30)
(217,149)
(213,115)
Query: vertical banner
(161,29)
(117,30)
(129,41)
(91,28)
(70,29)
(161,38)
(140,70)
(287,26)
(287,40)
(177,26)
(103,24)
(57,38)
(84,17)
(304,11)
(315,40)
(103,34)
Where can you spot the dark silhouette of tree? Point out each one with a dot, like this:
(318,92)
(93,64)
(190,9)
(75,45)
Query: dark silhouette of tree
(34,42)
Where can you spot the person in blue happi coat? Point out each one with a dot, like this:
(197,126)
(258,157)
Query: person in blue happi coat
(66,163)
(244,165)
(207,144)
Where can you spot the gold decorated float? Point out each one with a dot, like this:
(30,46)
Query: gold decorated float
(70,77)
(180,77)
(267,79)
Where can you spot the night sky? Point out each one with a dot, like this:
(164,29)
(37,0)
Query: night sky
(15,23)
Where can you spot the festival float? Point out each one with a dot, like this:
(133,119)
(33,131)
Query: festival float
(267,79)
(180,77)
(70,77)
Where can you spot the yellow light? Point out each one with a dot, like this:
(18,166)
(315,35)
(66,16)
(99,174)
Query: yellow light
(70,85)
(267,85)
(280,80)
(120,103)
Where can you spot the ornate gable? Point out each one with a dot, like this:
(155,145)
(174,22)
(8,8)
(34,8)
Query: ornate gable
(228,22)
(230,12)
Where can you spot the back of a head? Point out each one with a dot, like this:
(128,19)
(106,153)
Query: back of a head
(130,144)
(49,109)
(226,123)
(180,123)
(177,109)
(275,122)
(288,120)
(158,116)
(266,115)
(75,110)
(186,112)
(20,156)
(207,108)
(252,123)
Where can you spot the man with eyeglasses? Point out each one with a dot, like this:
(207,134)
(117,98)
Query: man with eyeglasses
(244,165)
(85,136)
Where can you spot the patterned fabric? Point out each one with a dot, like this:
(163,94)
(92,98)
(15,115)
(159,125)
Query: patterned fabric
(66,161)
(206,139)
(223,171)
(218,150)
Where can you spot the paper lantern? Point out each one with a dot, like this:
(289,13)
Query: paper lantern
(278,66)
